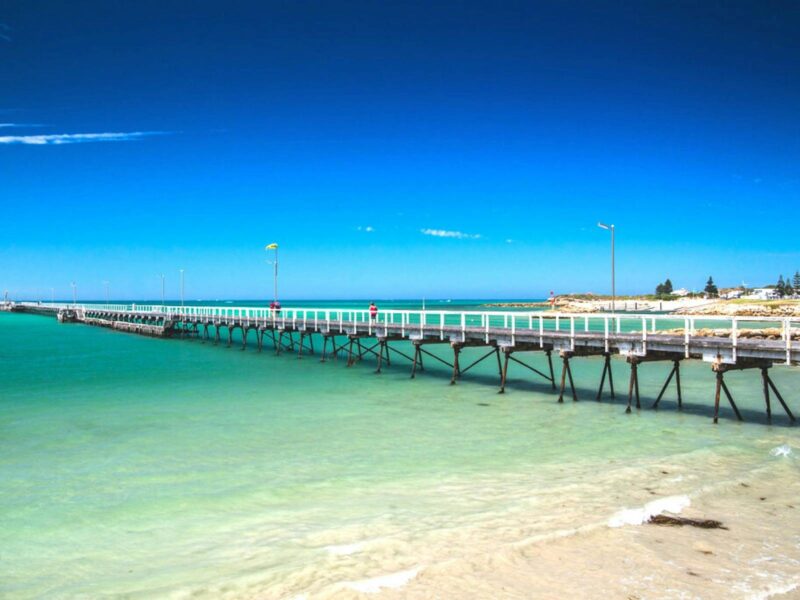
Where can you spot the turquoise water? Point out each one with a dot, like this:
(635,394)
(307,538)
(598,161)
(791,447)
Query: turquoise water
(148,467)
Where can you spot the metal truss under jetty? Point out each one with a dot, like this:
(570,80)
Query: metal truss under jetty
(726,343)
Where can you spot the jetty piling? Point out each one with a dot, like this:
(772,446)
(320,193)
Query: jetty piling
(606,371)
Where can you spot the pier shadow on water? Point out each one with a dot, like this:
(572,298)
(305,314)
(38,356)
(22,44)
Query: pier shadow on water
(698,381)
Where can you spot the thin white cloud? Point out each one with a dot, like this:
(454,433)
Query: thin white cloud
(75,138)
(367,229)
(460,235)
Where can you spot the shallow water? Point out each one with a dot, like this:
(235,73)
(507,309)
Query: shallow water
(144,467)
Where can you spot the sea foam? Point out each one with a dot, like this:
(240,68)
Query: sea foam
(345,549)
(784,450)
(637,516)
(376,584)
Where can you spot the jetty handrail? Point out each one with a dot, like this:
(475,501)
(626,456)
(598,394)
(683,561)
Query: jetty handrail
(636,327)
(577,322)
(362,314)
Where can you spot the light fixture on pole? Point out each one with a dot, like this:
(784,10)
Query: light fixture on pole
(613,284)
(181,287)
(274,246)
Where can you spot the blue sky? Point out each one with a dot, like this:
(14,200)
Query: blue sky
(140,138)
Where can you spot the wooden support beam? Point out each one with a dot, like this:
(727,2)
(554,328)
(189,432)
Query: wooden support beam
(324,347)
(504,372)
(606,371)
(674,372)
(633,386)
(780,399)
(274,340)
(566,372)
(550,365)
(730,399)
(433,356)
(494,350)
(396,351)
(529,367)
(456,368)
(767,384)
(380,356)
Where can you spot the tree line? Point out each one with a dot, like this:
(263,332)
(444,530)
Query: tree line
(786,286)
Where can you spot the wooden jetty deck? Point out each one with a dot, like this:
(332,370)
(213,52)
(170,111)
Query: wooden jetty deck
(726,343)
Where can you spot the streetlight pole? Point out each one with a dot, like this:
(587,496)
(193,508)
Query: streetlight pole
(274,246)
(162,289)
(613,284)
(181,287)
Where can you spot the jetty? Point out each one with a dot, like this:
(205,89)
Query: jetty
(725,343)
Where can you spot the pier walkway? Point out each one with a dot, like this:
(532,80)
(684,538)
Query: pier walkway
(726,343)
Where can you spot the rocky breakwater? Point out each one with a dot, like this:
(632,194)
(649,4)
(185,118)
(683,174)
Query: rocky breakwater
(737,309)
(765,333)
(562,305)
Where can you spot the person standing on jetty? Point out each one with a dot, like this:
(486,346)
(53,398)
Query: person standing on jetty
(373,311)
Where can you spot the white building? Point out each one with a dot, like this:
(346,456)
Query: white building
(732,294)
(763,294)
(681,292)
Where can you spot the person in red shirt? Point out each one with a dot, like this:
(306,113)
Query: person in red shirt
(373,311)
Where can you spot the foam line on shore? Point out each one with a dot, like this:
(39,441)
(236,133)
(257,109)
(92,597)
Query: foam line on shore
(390,581)
(638,516)
(345,549)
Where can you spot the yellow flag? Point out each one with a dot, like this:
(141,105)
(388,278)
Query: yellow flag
(272,246)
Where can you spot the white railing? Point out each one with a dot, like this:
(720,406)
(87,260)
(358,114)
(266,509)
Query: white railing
(573,323)
(513,324)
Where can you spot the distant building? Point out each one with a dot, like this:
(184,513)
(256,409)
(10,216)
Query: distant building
(763,294)
(731,294)
(681,292)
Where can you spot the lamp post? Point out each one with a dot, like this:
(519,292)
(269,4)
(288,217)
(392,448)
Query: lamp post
(613,286)
(162,289)
(274,246)
(181,287)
